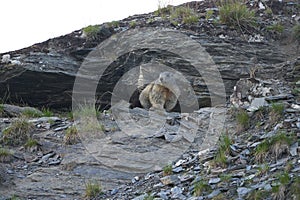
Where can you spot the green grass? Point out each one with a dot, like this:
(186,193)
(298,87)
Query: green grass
(236,14)
(277,108)
(114,24)
(71,136)
(276,145)
(31,113)
(296,32)
(185,14)
(149,197)
(92,190)
(91,31)
(295,185)
(243,120)
(47,112)
(209,14)
(17,133)
(261,151)
(257,195)
(5,155)
(1,109)
(225,177)
(31,143)
(263,169)
(277,27)
(167,170)
(132,24)
(223,150)
(200,187)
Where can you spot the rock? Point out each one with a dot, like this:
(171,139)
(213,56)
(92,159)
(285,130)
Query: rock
(15,111)
(213,194)
(214,180)
(169,180)
(293,149)
(5,58)
(177,169)
(257,103)
(242,191)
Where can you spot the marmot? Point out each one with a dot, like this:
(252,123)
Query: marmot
(161,94)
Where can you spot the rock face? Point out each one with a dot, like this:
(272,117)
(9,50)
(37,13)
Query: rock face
(44,74)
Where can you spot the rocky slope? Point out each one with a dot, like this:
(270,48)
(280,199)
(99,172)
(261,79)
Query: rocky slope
(257,158)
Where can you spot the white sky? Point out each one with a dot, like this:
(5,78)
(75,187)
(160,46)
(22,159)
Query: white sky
(26,22)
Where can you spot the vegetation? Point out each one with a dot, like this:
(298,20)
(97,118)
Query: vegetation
(114,24)
(149,197)
(17,133)
(5,155)
(31,143)
(185,14)
(1,109)
(277,27)
(71,136)
(236,14)
(167,170)
(263,169)
(200,187)
(243,120)
(277,110)
(225,177)
(224,149)
(296,32)
(295,191)
(92,190)
(278,191)
(257,195)
(47,112)
(276,146)
(91,32)
(132,24)
(209,14)
(31,113)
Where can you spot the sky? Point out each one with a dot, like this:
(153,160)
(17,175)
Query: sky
(26,22)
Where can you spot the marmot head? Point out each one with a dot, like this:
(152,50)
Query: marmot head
(168,80)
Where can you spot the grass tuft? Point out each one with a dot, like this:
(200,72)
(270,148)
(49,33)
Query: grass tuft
(243,120)
(167,170)
(236,14)
(92,190)
(200,187)
(17,133)
(71,136)
(5,155)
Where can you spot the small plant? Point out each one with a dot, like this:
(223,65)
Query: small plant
(71,136)
(91,32)
(277,110)
(14,197)
(186,14)
(167,170)
(5,155)
(225,177)
(257,195)
(149,197)
(269,12)
(278,191)
(295,191)
(31,144)
(263,169)
(209,14)
(17,133)
(92,190)
(219,197)
(296,32)
(132,24)
(31,113)
(243,120)
(1,109)
(236,14)
(47,112)
(114,24)
(280,144)
(261,151)
(277,27)
(200,187)
(224,149)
